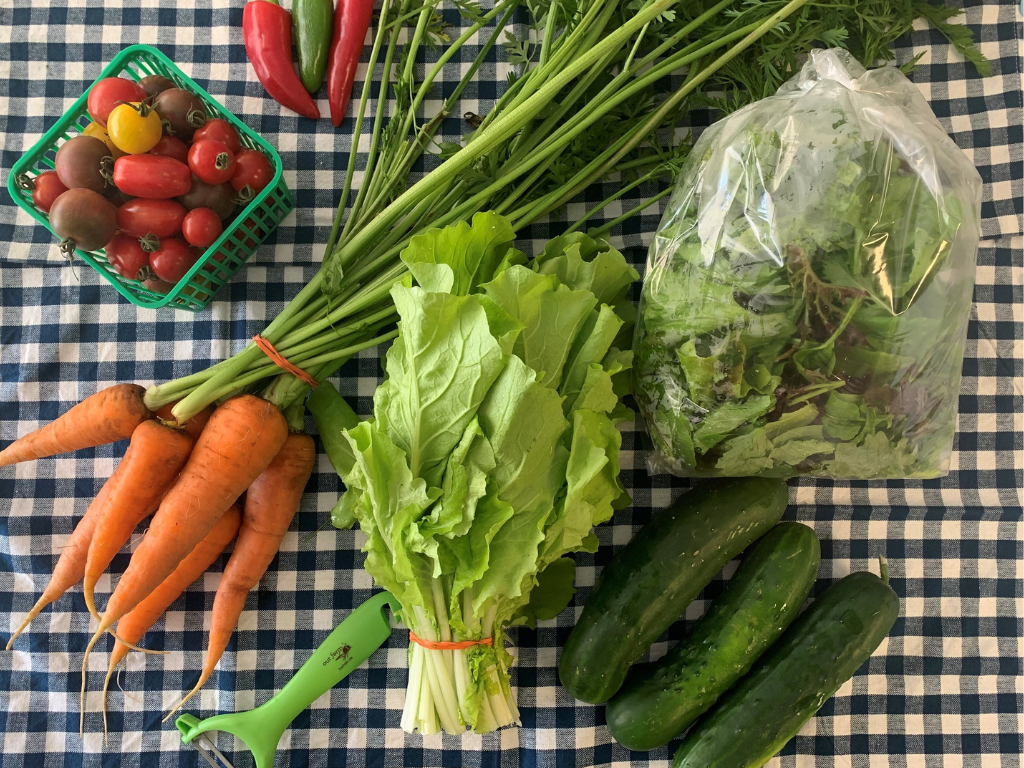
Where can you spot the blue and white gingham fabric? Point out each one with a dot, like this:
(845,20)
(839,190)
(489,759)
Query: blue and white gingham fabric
(944,690)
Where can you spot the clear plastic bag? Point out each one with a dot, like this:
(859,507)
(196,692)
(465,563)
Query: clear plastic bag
(807,293)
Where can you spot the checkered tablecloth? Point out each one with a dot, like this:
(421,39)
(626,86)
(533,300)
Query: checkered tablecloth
(943,690)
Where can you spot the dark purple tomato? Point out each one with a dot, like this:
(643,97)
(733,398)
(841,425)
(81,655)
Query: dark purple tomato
(154,84)
(219,197)
(182,110)
(81,161)
(156,285)
(83,219)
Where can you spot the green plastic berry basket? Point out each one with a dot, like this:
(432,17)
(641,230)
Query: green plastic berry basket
(242,235)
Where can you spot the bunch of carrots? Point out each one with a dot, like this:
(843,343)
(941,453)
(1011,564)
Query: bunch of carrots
(190,477)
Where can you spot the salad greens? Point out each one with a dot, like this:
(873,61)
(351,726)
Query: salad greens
(492,451)
(807,295)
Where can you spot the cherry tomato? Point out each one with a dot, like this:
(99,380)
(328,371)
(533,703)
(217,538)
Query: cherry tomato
(97,131)
(201,227)
(183,111)
(154,84)
(219,197)
(46,187)
(151,176)
(141,217)
(134,128)
(220,130)
(126,256)
(106,93)
(171,146)
(173,259)
(252,169)
(156,285)
(81,162)
(83,219)
(211,161)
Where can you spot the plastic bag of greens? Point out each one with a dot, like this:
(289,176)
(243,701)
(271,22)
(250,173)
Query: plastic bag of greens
(807,294)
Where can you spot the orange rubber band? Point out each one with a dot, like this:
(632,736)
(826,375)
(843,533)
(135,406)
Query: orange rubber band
(431,645)
(275,357)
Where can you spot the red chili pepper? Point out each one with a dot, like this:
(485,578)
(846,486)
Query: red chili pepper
(267,31)
(351,20)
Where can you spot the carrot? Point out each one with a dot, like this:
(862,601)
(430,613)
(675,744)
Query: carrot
(193,426)
(270,505)
(71,563)
(240,440)
(136,623)
(149,468)
(111,414)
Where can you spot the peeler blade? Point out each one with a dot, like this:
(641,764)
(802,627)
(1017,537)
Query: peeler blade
(209,752)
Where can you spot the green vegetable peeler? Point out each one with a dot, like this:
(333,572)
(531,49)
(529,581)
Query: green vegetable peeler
(348,646)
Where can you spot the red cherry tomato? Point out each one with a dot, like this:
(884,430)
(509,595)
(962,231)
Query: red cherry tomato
(141,217)
(106,94)
(219,130)
(152,176)
(173,259)
(211,161)
(171,146)
(46,187)
(201,227)
(127,256)
(252,169)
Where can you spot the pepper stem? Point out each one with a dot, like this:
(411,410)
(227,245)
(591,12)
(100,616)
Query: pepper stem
(883,568)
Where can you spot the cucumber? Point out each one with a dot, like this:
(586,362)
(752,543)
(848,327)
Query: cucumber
(649,583)
(757,605)
(816,655)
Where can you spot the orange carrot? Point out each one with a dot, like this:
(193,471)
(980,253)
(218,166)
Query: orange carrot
(270,505)
(240,440)
(135,624)
(154,458)
(193,426)
(111,414)
(71,564)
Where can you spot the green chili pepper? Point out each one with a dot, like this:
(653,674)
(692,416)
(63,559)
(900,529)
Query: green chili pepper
(312,21)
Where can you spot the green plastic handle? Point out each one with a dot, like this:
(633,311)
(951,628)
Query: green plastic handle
(348,646)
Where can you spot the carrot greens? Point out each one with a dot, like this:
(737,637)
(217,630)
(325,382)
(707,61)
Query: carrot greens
(596,91)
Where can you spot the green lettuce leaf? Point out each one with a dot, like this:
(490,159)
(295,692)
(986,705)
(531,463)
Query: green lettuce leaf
(434,389)
(552,594)
(457,259)
(552,315)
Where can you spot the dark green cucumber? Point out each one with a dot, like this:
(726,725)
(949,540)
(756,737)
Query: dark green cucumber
(312,24)
(816,655)
(649,583)
(759,602)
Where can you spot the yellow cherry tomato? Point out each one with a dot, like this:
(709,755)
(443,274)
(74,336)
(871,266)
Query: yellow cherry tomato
(134,128)
(97,131)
